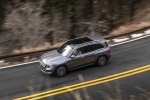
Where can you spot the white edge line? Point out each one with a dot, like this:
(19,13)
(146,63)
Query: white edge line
(19,64)
(109,46)
(129,41)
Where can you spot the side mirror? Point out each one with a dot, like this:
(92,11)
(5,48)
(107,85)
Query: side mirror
(72,56)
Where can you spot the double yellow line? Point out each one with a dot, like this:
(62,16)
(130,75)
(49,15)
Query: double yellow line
(65,89)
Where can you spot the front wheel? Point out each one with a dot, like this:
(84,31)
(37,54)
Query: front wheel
(61,71)
(102,61)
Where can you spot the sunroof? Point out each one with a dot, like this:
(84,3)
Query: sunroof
(86,39)
(80,40)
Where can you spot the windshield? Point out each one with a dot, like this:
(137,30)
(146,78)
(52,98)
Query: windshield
(65,50)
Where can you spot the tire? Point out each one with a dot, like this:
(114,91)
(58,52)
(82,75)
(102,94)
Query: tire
(61,71)
(102,60)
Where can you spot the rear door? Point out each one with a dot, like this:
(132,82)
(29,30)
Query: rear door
(89,54)
(100,50)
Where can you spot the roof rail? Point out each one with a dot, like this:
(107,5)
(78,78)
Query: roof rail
(86,43)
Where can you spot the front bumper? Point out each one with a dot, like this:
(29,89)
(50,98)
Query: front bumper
(46,70)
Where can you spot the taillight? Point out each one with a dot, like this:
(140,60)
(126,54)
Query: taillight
(108,50)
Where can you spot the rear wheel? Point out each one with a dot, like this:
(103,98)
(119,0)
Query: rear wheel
(102,61)
(61,71)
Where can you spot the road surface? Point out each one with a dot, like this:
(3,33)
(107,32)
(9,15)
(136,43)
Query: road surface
(27,79)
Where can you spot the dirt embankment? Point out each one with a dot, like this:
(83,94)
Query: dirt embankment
(141,19)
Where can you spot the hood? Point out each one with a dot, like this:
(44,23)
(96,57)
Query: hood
(51,57)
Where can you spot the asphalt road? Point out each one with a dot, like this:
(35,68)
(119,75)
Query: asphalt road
(27,79)
(135,87)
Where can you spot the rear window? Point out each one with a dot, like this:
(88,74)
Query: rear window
(106,44)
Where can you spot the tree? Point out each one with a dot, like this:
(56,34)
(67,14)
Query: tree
(24,22)
(1,12)
(132,8)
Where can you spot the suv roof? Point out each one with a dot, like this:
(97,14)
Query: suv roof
(80,41)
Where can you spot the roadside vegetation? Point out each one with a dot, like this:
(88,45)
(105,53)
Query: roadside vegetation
(29,25)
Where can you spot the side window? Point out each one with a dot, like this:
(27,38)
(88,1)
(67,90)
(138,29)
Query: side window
(75,52)
(81,50)
(99,46)
(78,51)
(89,48)
(95,46)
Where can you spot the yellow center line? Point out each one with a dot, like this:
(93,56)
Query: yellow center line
(92,84)
(83,83)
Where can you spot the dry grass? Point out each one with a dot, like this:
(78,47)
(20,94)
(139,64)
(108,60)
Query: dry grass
(129,28)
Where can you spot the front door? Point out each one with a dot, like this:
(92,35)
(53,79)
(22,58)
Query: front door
(78,59)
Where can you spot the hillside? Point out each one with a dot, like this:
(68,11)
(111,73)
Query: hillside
(34,25)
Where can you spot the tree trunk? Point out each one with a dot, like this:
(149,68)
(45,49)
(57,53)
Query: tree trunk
(72,20)
(88,8)
(73,27)
(111,13)
(2,10)
(132,8)
(120,9)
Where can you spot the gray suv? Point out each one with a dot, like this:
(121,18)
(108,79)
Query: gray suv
(75,53)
